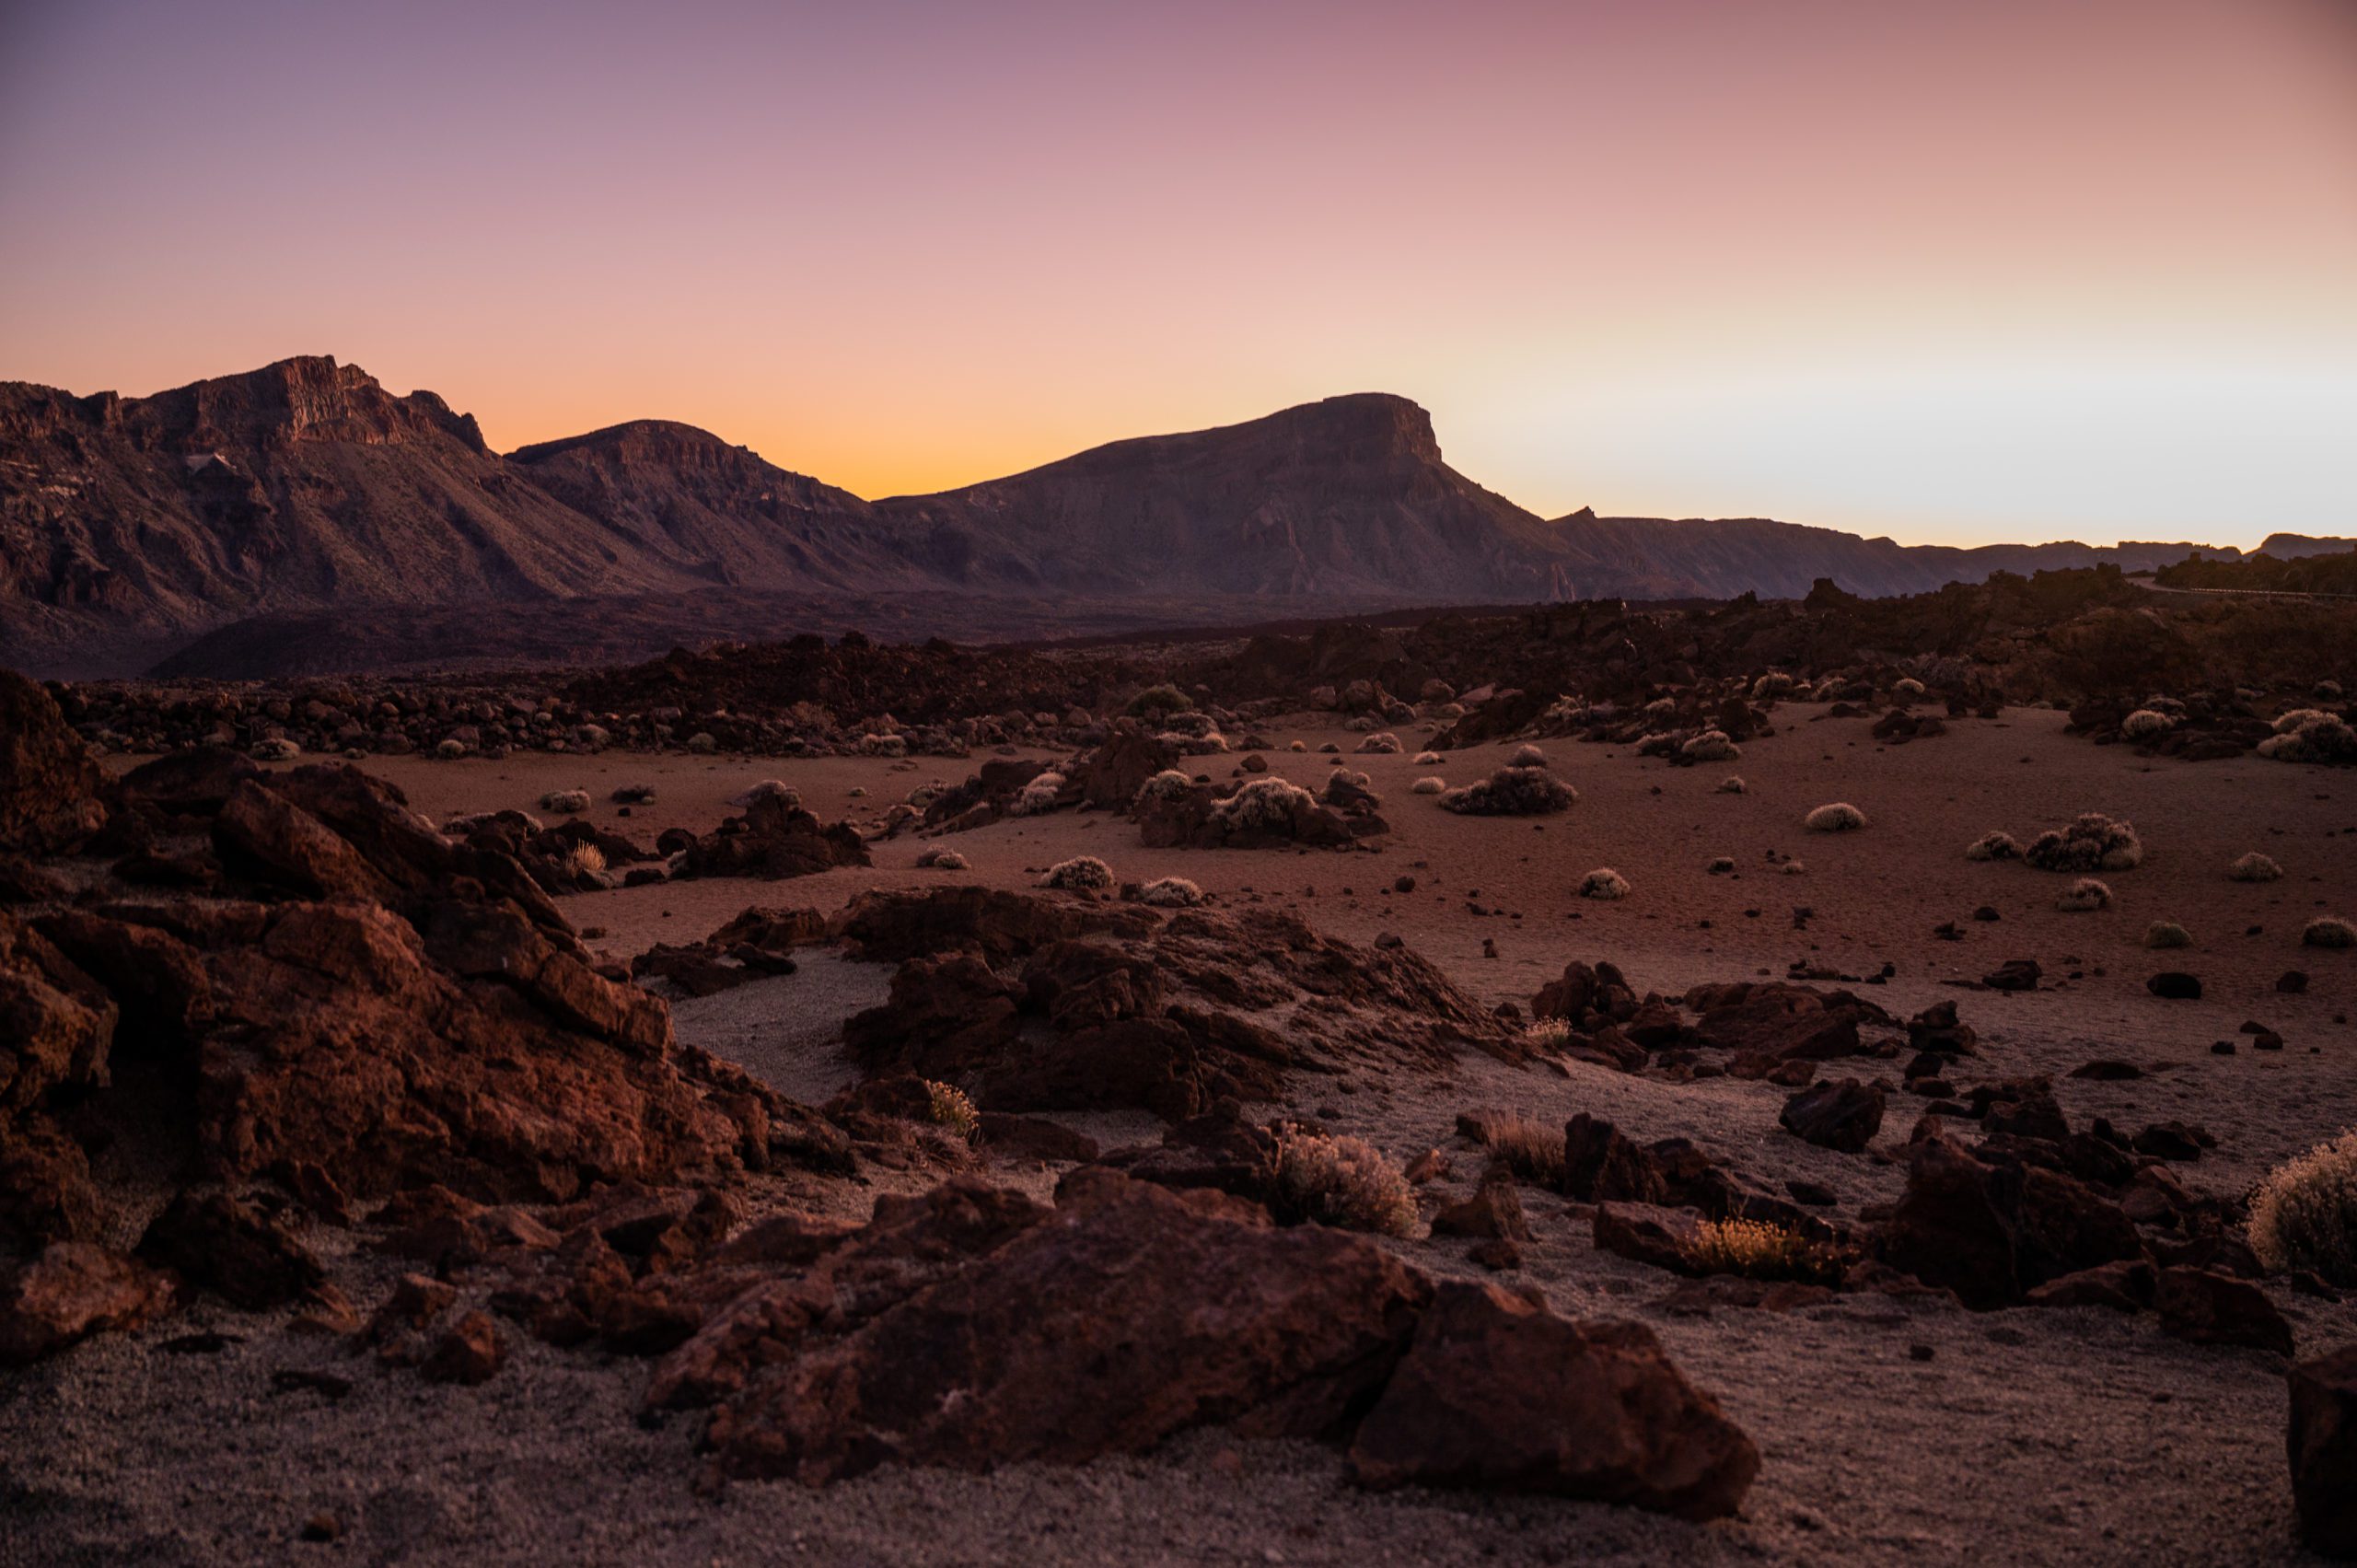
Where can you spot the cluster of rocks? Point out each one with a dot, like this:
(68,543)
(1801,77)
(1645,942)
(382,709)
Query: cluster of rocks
(1030,1002)
(367,1024)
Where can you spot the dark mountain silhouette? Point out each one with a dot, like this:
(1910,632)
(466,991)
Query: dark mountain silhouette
(305,494)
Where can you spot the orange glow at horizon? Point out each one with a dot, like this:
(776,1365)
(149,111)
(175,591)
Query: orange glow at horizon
(1955,274)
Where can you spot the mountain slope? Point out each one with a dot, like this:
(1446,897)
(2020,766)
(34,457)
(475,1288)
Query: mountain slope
(305,489)
(1347,496)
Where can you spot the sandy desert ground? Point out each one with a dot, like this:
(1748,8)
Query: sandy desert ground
(1891,1429)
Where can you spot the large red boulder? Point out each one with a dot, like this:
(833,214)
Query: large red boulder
(1496,1391)
(1128,1315)
(72,1290)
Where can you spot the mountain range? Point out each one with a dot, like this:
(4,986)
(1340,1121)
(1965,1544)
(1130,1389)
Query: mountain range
(306,492)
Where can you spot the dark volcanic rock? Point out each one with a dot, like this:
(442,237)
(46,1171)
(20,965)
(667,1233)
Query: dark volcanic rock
(2211,1308)
(1844,1115)
(50,790)
(218,1244)
(1087,1333)
(1497,1392)
(774,838)
(2322,1444)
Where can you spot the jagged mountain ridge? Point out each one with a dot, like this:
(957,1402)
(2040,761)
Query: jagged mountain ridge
(306,487)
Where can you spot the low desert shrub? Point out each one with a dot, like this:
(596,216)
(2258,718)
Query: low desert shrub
(1341,1182)
(2255,867)
(1156,701)
(1082,873)
(1527,757)
(2084,896)
(2145,723)
(1996,845)
(2304,1215)
(2297,719)
(1382,743)
(2329,931)
(1167,785)
(1039,795)
(941,860)
(450,750)
(951,1108)
(1604,883)
(1907,688)
(1838,818)
(1429,785)
(1710,746)
(2093,843)
(1512,792)
(1298,746)
(566,802)
(1792,868)
(1758,1251)
(2168,934)
(1775,683)
(2321,738)
(883,745)
(1170,892)
(277,748)
(1731,784)
(1428,758)
(1720,864)
(1261,805)
(783,791)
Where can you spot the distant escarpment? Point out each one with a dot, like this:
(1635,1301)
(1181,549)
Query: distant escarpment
(306,491)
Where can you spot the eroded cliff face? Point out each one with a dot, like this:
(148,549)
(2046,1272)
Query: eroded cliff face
(135,525)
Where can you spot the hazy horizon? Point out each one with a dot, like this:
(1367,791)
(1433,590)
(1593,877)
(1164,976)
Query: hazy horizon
(1957,277)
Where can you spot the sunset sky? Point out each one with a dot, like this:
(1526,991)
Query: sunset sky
(2019,269)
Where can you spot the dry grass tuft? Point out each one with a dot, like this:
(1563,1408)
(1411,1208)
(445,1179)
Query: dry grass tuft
(1547,1034)
(584,860)
(2255,867)
(1761,1251)
(1530,1148)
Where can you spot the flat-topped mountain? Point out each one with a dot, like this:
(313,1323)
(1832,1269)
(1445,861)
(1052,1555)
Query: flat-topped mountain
(1347,496)
(129,526)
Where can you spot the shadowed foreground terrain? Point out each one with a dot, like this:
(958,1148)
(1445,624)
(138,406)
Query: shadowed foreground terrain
(717,1108)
